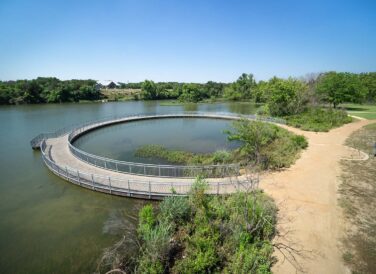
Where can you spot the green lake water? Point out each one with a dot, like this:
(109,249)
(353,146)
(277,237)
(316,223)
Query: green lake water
(48,225)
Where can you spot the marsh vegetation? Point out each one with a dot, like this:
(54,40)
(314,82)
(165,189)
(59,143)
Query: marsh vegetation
(203,234)
(262,145)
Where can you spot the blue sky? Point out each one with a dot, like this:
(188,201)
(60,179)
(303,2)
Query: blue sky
(193,41)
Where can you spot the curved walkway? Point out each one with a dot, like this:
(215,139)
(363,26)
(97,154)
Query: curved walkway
(57,155)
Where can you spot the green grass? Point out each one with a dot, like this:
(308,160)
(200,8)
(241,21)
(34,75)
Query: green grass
(174,156)
(319,119)
(364,111)
(358,200)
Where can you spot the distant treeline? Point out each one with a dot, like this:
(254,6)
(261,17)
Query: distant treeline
(331,87)
(47,90)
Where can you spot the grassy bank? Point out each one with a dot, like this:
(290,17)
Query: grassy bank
(204,234)
(263,145)
(318,119)
(121,94)
(358,199)
(183,157)
(364,110)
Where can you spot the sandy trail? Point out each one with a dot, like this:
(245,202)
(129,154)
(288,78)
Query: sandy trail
(307,197)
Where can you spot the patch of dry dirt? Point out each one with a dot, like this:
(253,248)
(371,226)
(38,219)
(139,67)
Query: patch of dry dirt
(306,194)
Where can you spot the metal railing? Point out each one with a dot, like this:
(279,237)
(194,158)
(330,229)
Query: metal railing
(207,171)
(36,141)
(130,187)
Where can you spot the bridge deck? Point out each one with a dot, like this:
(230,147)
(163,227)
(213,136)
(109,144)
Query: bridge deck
(57,155)
(149,187)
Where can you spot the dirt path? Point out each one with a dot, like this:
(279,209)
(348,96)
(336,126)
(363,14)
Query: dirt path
(307,197)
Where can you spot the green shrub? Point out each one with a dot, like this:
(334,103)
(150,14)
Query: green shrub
(146,265)
(206,234)
(146,220)
(174,210)
(155,248)
(221,157)
(251,259)
(265,145)
(318,119)
(200,254)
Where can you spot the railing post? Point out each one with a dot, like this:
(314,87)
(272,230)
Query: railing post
(109,182)
(129,189)
(66,172)
(92,181)
(105,164)
(116,167)
(144,170)
(130,168)
(149,190)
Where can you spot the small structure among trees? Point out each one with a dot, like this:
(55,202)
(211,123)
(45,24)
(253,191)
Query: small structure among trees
(108,84)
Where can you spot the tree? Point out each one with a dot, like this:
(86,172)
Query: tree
(32,93)
(149,90)
(254,135)
(286,97)
(213,89)
(192,93)
(336,88)
(368,81)
(243,88)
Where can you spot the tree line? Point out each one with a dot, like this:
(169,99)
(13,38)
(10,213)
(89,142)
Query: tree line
(47,90)
(283,96)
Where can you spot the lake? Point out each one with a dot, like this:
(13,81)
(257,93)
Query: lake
(48,225)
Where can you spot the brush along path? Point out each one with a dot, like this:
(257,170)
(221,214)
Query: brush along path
(306,194)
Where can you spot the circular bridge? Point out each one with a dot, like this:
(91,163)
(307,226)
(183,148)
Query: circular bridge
(134,179)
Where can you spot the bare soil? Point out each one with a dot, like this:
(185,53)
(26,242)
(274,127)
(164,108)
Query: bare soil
(358,200)
(307,195)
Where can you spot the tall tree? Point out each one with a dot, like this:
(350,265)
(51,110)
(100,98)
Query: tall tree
(242,88)
(336,88)
(285,97)
(149,90)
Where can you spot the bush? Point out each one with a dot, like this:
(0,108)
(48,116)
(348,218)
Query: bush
(266,146)
(174,210)
(155,248)
(247,257)
(318,119)
(146,220)
(221,157)
(204,234)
